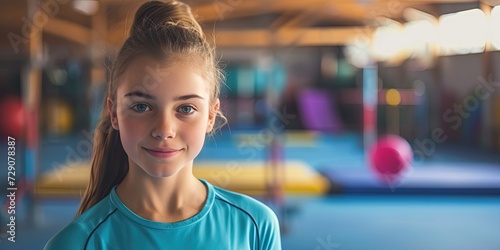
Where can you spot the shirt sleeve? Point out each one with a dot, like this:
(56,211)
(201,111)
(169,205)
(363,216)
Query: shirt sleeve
(71,237)
(270,232)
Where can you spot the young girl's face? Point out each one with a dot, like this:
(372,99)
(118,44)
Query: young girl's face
(162,114)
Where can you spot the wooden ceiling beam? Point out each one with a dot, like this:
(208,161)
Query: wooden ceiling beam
(221,10)
(288,37)
(68,30)
(299,20)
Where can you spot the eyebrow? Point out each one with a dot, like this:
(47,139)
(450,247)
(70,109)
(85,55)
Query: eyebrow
(139,94)
(147,96)
(186,97)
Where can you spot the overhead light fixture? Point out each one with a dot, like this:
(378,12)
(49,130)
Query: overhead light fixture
(86,7)
(411,14)
(420,36)
(389,43)
(494,24)
(357,51)
(463,32)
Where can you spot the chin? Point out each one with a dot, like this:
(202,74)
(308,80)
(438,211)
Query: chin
(162,172)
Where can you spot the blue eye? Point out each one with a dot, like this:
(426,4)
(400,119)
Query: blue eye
(186,109)
(141,107)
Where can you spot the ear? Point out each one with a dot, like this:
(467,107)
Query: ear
(212,115)
(112,113)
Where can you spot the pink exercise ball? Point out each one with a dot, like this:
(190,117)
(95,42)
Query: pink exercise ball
(390,156)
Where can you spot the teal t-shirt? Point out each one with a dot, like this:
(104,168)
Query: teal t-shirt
(227,221)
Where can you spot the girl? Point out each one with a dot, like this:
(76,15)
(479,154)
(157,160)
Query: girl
(162,101)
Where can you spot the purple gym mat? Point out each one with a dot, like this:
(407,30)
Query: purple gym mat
(317,111)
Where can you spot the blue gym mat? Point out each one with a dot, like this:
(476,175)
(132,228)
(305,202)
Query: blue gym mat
(438,178)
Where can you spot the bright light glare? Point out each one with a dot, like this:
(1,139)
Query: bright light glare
(86,7)
(388,42)
(462,32)
(357,51)
(495,27)
(420,37)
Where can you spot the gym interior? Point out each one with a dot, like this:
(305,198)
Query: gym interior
(363,124)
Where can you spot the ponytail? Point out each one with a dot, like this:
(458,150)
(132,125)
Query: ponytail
(109,163)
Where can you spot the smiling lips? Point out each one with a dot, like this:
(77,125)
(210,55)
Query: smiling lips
(162,152)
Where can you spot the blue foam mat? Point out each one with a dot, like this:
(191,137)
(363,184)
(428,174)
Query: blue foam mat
(437,178)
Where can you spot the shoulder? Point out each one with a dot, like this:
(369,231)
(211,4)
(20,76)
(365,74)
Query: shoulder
(262,216)
(72,236)
(76,234)
(254,208)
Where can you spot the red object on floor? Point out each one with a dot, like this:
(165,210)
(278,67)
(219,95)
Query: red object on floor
(11,108)
(390,156)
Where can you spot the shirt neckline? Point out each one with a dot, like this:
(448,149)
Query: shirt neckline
(164,225)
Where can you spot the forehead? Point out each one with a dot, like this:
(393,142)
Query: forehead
(162,78)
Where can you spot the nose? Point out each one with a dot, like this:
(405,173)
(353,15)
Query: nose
(165,127)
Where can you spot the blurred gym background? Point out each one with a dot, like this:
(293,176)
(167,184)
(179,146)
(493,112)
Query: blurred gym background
(313,87)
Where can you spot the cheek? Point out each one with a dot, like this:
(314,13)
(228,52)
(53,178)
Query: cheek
(195,132)
(131,131)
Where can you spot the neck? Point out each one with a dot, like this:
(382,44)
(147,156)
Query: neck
(162,199)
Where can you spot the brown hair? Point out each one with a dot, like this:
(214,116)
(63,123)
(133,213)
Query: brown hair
(168,32)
